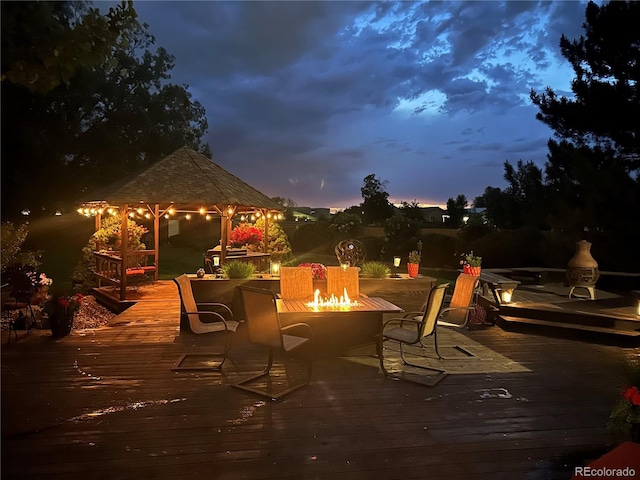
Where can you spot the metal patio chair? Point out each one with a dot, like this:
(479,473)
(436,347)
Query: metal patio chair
(412,329)
(196,316)
(264,328)
(457,309)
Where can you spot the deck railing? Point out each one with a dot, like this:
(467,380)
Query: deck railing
(109,269)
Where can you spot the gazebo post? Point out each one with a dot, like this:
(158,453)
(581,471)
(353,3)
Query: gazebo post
(224,235)
(124,243)
(265,243)
(156,240)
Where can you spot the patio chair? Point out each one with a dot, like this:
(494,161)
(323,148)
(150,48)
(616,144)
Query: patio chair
(296,283)
(201,318)
(458,308)
(339,278)
(264,328)
(412,329)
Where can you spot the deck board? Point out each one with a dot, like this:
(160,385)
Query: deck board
(104,403)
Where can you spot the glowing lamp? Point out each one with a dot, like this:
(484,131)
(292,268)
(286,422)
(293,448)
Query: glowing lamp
(396,264)
(275,269)
(506,295)
(216,261)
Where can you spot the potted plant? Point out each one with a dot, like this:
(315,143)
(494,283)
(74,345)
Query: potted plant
(625,416)
(471,264)
(61,310)
(413,263)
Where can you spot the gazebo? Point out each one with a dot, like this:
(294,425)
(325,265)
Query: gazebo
(183,183)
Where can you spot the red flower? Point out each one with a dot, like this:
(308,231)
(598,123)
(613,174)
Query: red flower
(632,395)
(245,234)
(318,270)
(63,302)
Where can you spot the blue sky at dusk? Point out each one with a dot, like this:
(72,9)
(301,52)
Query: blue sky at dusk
(304,99)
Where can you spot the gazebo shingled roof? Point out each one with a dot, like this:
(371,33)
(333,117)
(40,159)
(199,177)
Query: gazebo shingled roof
(184,178)
(185,181)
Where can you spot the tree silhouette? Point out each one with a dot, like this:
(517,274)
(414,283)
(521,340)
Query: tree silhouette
(105,116)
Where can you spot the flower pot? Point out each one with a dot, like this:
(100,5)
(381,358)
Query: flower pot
(473,271)
(412,268)
(60,324)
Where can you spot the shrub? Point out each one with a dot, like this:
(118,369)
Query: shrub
(374,270)
(278,246)
(12,239)
(238,269)
(346,225)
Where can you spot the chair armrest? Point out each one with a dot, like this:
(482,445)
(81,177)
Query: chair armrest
(214,304)
(296,325)
(215,314)
(448,309)
(399,321)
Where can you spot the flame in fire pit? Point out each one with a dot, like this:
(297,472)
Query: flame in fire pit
(332,301)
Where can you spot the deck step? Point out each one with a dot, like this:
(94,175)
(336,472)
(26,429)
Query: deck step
(511,320)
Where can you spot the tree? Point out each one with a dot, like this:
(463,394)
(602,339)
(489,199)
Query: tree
(376,206)
(287,204)
(45,44)
(412,211)
(456,209)
(97,125)
(605,112)
(593,168)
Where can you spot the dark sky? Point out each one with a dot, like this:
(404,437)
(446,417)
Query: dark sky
(304,99)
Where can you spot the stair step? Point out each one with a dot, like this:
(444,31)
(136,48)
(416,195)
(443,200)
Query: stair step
(572,326)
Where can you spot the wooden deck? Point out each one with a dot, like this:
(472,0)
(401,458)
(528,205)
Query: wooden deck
(104,404)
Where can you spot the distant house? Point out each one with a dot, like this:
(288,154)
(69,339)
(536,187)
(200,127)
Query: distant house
(434,214)
(310,214)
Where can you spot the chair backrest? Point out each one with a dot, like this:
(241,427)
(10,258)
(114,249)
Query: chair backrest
(432,310)
(187,301)
(296,283)
(262,320)
(462,298)
(339,278)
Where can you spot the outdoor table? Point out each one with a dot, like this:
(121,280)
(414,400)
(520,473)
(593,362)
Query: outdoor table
(339,329)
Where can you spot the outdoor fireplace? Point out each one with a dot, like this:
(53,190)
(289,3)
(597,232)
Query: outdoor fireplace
(582,270)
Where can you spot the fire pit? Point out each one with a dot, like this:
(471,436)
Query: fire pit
(582,270)
(331,302)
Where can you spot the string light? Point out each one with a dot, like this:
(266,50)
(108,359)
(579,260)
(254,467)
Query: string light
(131,214)
(188,216)
(207,217)
(202,211)
(147,215)
(140,211)
(166,215)
(230,211)
(243,218)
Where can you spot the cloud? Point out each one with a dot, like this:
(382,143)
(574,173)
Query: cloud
(304,99)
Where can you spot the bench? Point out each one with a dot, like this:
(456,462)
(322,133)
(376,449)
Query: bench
(501,287)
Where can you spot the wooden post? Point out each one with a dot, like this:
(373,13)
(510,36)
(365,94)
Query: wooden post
(124,244)
(265,247)
(224,235)
(156,240)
